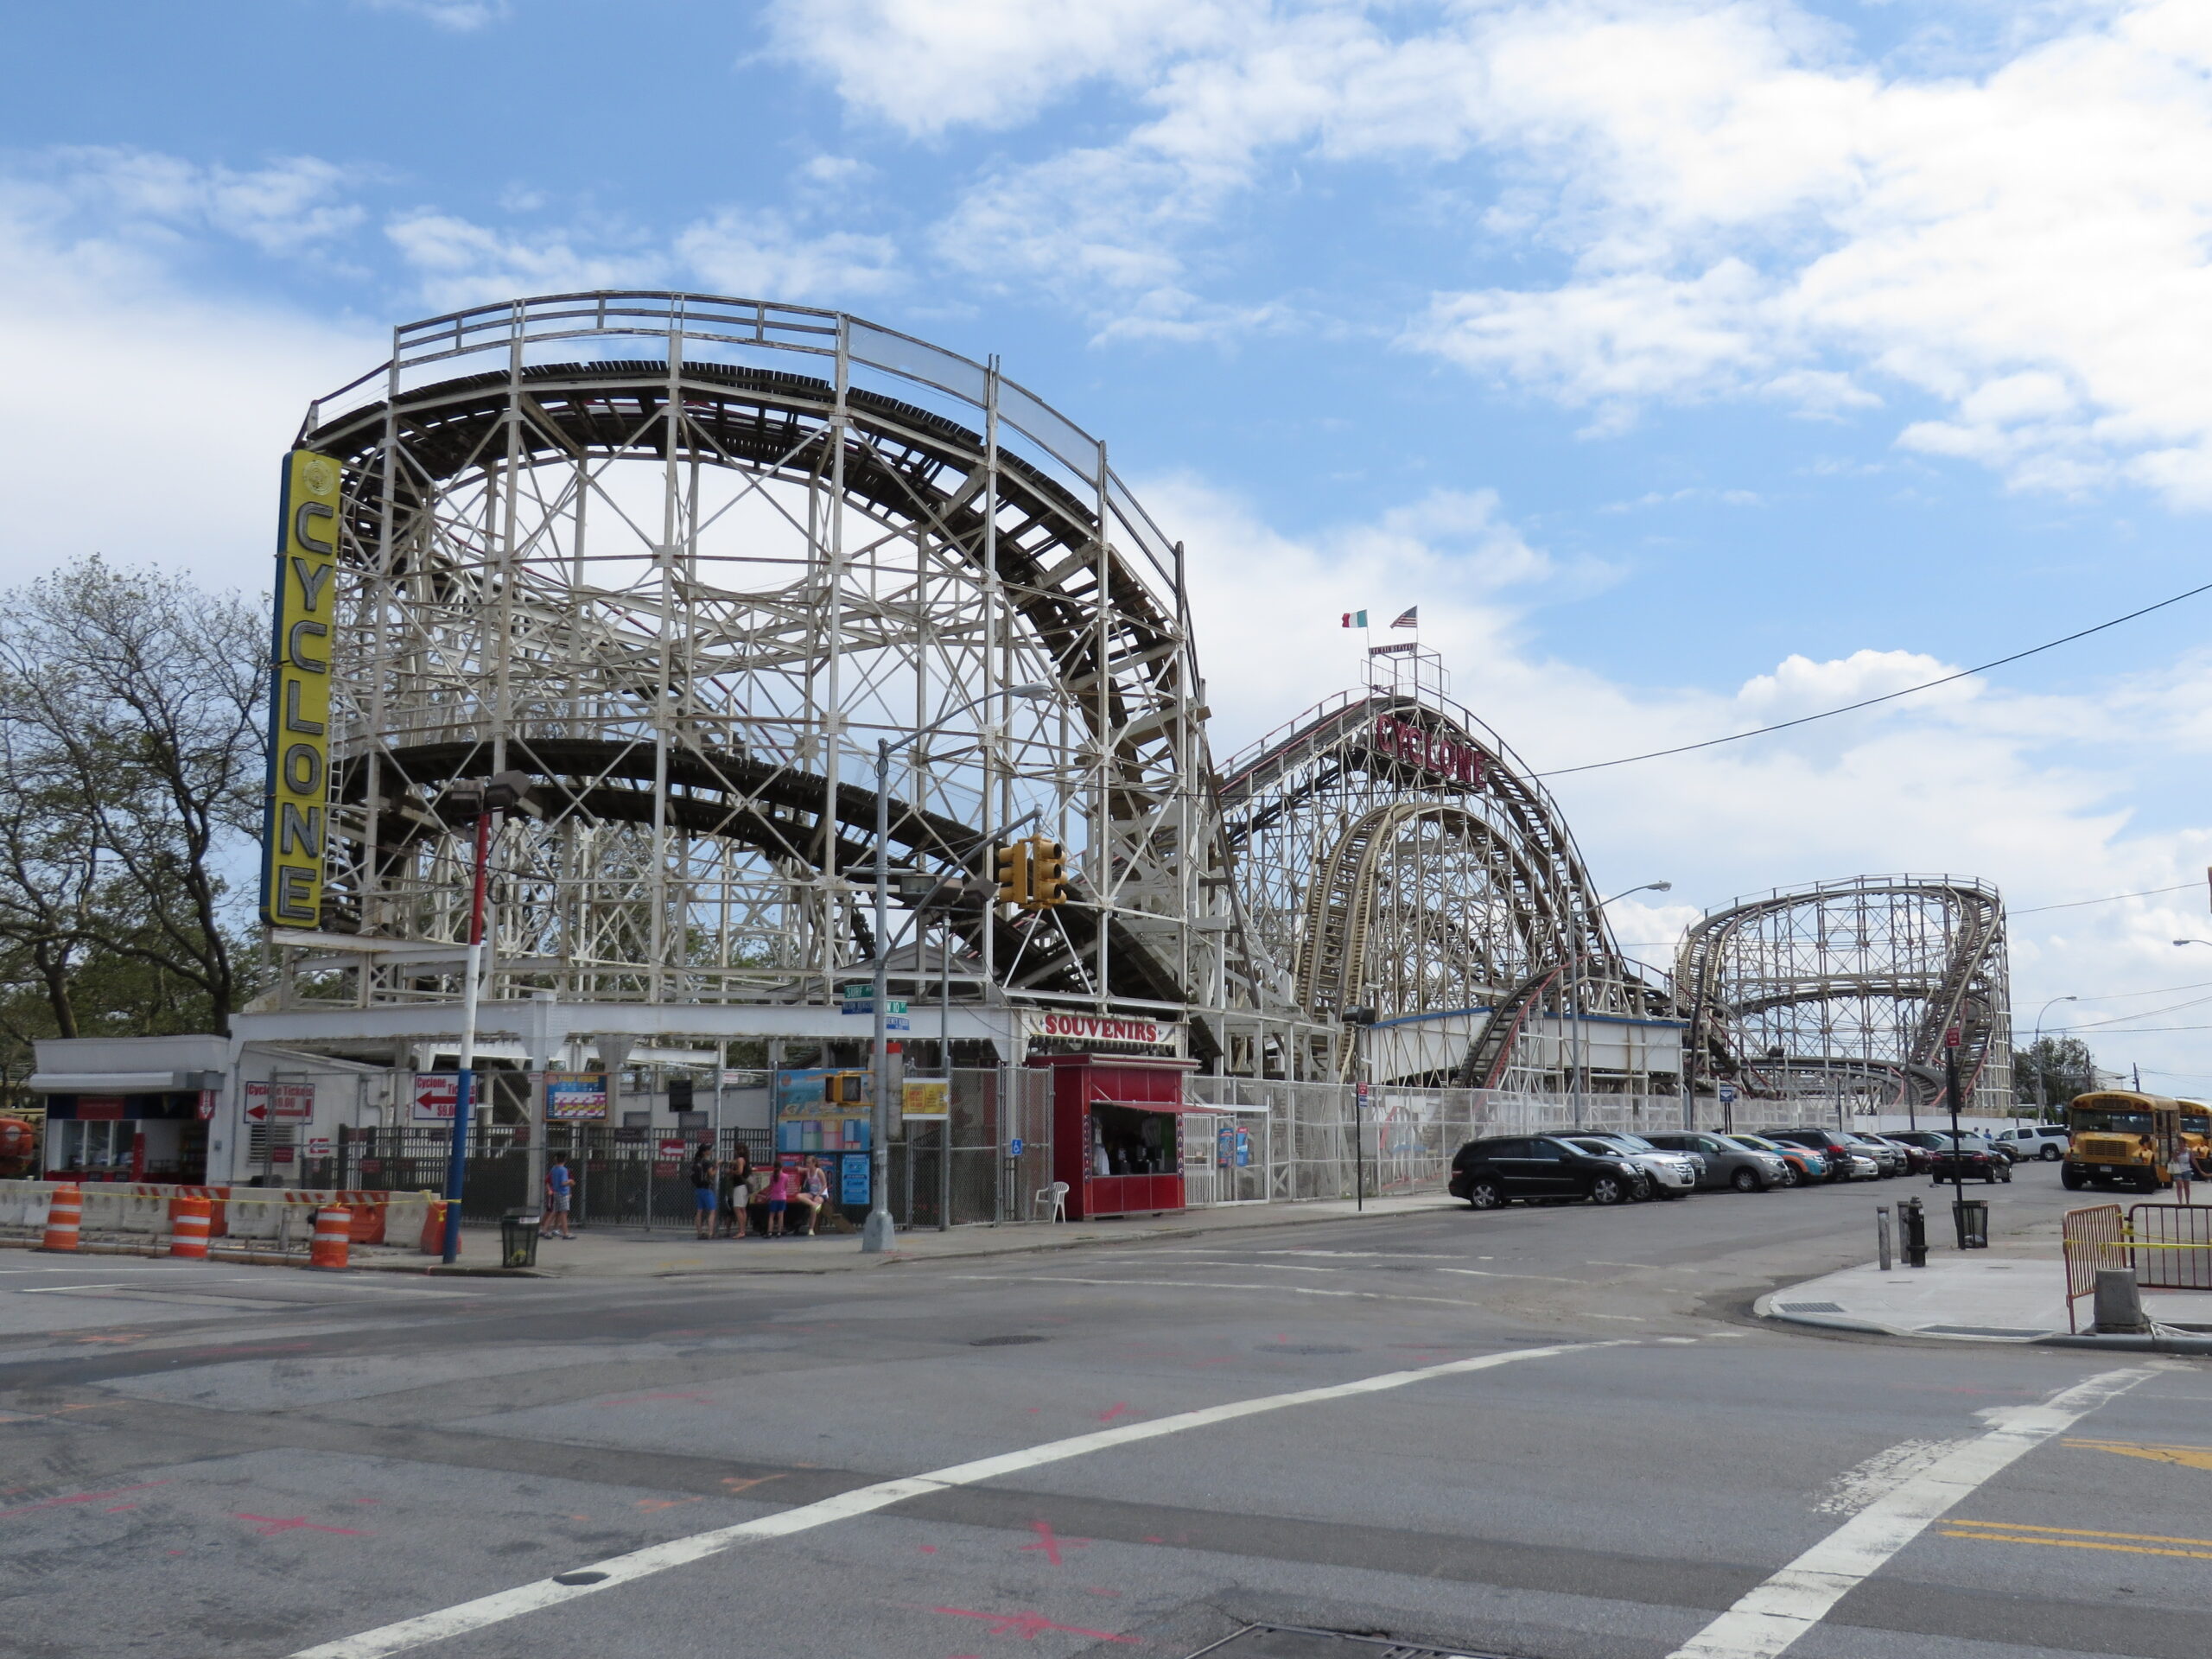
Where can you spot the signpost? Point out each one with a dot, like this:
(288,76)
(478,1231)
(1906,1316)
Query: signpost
(1727,1092)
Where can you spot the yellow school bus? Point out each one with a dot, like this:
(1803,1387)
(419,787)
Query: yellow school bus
(2195,1124)
(2119,1138)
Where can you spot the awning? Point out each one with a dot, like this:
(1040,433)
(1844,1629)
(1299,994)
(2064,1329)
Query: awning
(1170,1107)
(121,1083)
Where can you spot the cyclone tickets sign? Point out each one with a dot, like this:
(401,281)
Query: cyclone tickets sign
(1106,1031)
(1430,751)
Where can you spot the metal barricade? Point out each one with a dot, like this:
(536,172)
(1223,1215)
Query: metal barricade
(2171,1246)
(2092,1238)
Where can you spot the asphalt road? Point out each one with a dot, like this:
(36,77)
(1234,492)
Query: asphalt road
(1537,1432)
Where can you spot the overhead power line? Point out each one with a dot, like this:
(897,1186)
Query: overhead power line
(1887,696)
(2110,898)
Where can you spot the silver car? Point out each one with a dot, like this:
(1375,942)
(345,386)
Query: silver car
(1671,1174)
(1728,1163)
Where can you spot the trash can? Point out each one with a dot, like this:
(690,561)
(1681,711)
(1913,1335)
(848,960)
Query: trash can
(518,1239)
(1972,1216)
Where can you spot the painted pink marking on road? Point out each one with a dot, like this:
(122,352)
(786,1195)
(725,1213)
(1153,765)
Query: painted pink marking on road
(1030,1626)
(927,1549)
(1050,1542)
(272,1525)
(84,1498)
(118,1508)
(1113,1411)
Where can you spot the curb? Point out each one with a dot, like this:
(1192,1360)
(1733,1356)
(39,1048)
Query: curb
(2156,1343)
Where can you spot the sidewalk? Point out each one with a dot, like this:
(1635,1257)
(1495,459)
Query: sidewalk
(2014,1292)
(633,1253)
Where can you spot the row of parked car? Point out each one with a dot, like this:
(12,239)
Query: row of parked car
(1611,1167)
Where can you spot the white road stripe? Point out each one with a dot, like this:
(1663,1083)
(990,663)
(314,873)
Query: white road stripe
(426,1628)
(1218,1284)
(1773,1616)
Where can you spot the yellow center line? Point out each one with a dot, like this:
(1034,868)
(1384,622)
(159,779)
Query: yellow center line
(2079,1532)
(2078,1543)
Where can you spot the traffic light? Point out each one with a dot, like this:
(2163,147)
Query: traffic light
(845,1089)
(1048,882)
(1014,873)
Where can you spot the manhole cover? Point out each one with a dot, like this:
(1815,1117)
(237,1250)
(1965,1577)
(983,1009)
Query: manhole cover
(1282,1642)
(1305,1348)
(1812,1307)
(1003,1342)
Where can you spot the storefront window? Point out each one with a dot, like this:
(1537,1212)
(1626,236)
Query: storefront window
(95,1146)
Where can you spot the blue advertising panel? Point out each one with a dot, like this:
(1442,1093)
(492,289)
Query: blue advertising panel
(852,1179)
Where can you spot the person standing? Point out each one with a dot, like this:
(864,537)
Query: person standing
(702,1192)
(779,1193)
(559,1187)
(742,1182)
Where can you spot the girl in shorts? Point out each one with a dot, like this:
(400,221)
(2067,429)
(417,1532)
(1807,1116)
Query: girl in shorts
(779,1193)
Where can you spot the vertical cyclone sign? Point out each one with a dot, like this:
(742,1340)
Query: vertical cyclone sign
(297,818)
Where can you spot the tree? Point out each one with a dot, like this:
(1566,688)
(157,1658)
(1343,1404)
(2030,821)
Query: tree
(2064,1064)
(131,766)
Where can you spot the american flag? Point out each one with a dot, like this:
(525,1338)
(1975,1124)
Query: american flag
(1410,619)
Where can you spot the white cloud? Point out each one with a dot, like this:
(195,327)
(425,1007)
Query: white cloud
(924,65)
(764,256)
(105,344)
(458,263)
(461,16)
(2008,219)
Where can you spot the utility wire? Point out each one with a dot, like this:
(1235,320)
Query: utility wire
(1887,696)
(2110,898)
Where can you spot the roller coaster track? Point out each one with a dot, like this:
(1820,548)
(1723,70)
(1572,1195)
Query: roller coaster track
(1904,959)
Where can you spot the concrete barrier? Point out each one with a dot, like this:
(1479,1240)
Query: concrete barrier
(141,1209)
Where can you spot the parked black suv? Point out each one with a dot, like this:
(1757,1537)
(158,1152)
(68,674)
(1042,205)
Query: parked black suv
(1488,1173)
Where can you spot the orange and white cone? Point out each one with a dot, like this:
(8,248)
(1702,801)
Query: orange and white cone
(65,1214)
(333,1238)
(190,1217)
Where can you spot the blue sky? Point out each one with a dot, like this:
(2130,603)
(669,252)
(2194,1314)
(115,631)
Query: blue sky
(1691,366)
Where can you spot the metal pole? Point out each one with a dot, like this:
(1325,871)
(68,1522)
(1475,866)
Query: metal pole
(1358,1116)
(464,1090)
(945,1055)
(877,1236)
(1958,1162)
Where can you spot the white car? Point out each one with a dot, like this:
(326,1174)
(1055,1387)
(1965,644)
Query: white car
(2043,1141)
(1672,1174)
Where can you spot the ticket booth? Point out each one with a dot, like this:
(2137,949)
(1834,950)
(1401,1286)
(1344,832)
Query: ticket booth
(1116,1132)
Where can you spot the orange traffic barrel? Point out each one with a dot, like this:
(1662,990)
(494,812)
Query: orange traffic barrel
(65,1213)
(333,1237)
(190,1217)
(434,1229)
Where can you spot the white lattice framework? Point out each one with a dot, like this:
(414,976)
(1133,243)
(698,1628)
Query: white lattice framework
(1392,852)
(682,560)
(1845,990)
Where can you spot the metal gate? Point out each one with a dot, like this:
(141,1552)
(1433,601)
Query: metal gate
(2170,1245)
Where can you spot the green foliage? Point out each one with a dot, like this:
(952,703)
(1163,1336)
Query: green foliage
(130,773)
(2065,1067)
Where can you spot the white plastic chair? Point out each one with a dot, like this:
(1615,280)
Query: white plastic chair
(1056,1195)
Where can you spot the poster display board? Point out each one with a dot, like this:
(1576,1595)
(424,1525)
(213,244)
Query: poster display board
(926,1097)
(806,1121)
(576,1097)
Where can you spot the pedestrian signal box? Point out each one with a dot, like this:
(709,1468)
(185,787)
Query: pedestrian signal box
(845,1089)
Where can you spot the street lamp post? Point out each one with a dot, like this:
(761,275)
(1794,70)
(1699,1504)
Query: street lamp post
(877,1234)
(479,805)
(2034,1049)
(1578,1075)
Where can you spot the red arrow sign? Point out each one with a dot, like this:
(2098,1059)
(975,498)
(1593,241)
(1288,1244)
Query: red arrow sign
(258,1111)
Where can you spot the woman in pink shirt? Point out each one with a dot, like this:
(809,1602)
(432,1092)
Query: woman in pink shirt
(778,1195)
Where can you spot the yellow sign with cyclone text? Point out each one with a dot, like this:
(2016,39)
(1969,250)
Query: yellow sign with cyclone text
(297,822)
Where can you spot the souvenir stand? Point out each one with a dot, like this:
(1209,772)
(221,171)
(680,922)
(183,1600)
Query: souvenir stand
(1117,1140)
